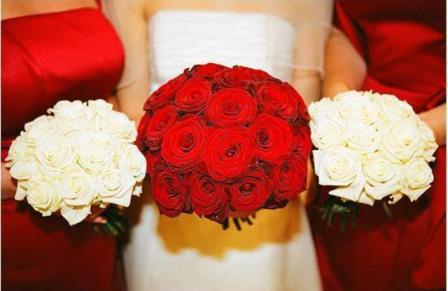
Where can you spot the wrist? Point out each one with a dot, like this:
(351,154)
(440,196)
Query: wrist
(8,184)
(333,87)
(439,131)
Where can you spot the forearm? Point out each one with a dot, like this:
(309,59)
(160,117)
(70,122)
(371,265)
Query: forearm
(131,100)
(344,68)
(8,184)
(308,84)
(436,119)
(130,20)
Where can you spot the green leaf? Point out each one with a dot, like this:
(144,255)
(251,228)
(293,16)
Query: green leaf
(387,209)
(116,223)
(334,207)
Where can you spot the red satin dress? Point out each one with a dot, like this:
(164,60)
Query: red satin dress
(403,43)
(74,54)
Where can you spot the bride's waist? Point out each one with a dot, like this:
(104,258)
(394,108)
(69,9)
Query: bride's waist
(189,231)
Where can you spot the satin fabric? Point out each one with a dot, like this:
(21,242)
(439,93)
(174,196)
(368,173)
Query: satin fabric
(403,43)
(66,55)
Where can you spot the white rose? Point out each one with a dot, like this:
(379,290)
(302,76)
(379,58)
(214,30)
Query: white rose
(76,188)
(327,133)
(356,108)
(73,115)
(133,161)
(75,215)
(322,109)
(342,168)
(365,198)
(119,125)
(39,128)
(401,141)
(116,186)
(392,108)
(21,190)
(429,141)
(383,177)
(19,150)
(362,139)
(416,179)
(41,195)
(25,168)
(54,154)
(100,106)
(97,150)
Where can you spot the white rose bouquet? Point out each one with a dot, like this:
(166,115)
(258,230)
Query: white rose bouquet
(370,146)
(77,156)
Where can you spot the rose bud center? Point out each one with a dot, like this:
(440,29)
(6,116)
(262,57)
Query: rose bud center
(187,142)
(195,95)
(232,151)
(172,191)
(231,108)
(263,137)
(208,187)
(246,188)
(284,173)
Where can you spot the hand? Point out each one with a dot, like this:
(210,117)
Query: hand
(8,184)
(333,87)
(95,215)
(112,99)
(436,118)
(308,84)
(311,186)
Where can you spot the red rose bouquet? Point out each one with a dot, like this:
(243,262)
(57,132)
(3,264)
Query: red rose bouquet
(219,139)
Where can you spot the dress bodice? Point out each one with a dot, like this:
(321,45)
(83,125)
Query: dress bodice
(403,42)
(181,39)
(72,54)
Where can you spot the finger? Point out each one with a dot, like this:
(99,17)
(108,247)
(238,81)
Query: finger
(99,220)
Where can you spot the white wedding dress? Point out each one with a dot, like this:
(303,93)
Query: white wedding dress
(190,254)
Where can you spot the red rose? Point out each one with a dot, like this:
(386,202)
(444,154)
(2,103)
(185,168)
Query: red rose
(250,192)
(153,163)
(234,77)
(207,196)
(194,95)
(143,124)
(165,94)
(221,140)
(303,140)
(206,71)
(289,177)
(273,137)
(183,143)
(162,120)
(255,74)
(231,107)
(277,100)
(169,191)
(228,153)
(302,109)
